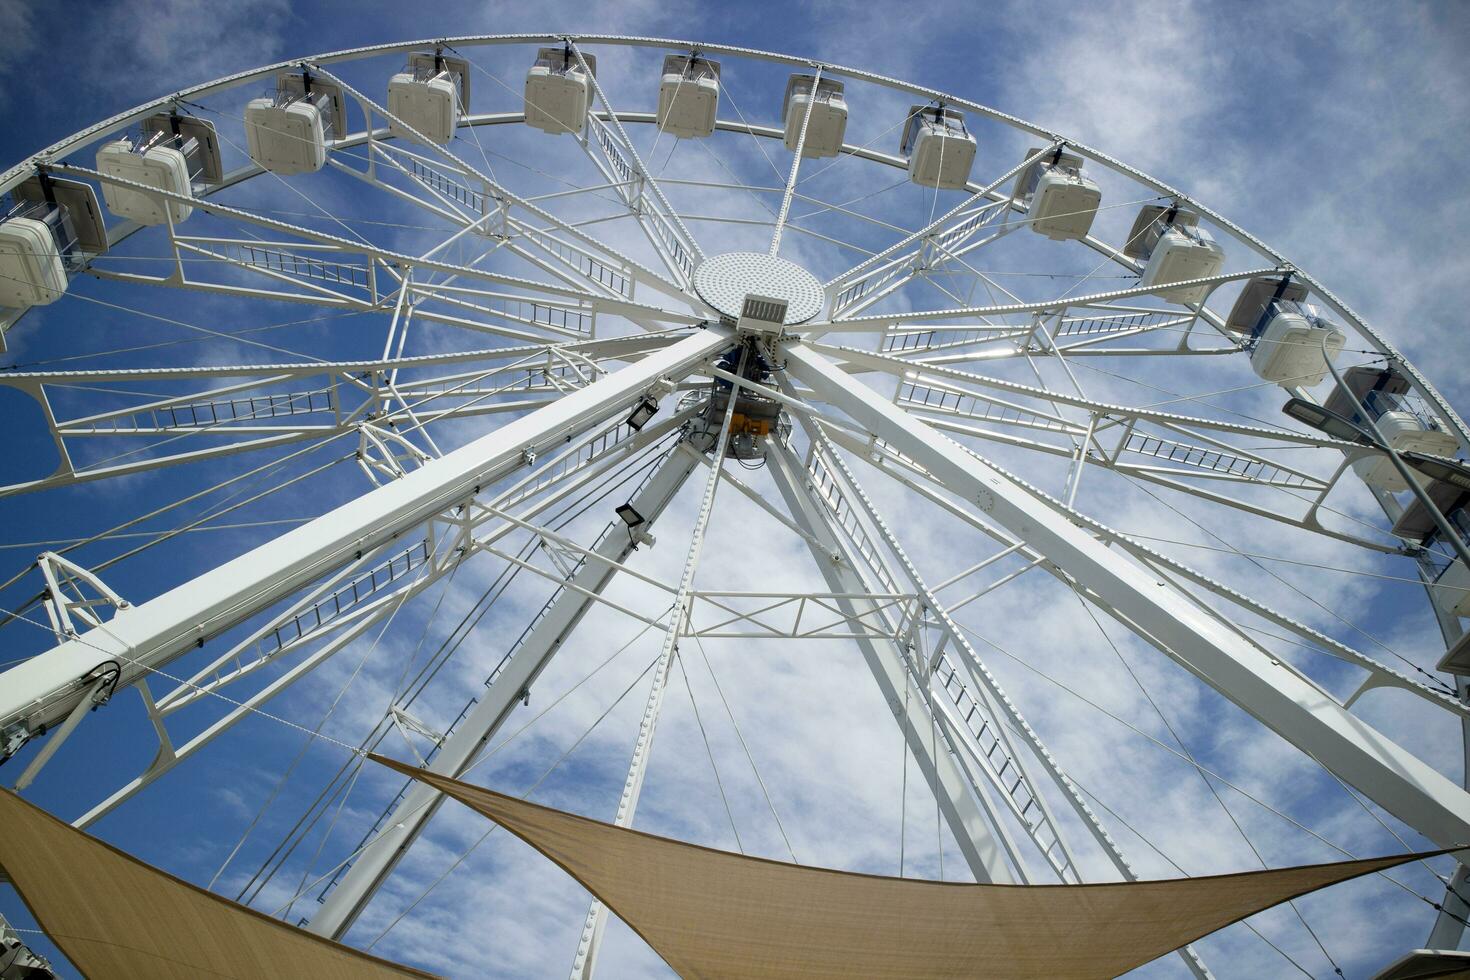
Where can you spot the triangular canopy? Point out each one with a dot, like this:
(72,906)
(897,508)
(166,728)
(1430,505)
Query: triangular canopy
(116,917)
(711,913)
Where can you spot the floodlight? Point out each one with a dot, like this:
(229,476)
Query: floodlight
(630,516)
(646,409)
(1337,426)
(1450,471)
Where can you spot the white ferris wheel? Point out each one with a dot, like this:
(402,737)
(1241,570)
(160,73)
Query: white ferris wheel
(400,398)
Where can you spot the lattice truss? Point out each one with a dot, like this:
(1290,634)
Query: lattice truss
(374,455)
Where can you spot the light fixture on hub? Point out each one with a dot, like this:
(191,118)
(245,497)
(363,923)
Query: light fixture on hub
(1324,420)
(646,409)
(637,525)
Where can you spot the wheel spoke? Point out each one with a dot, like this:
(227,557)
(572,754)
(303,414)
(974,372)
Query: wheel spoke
(619,161)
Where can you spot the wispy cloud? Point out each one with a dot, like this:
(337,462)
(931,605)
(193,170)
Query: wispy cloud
(19,31)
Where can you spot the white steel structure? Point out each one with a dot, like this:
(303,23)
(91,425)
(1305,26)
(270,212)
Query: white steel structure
(545,361)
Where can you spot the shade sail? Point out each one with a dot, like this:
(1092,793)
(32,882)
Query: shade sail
(711,913)
(116,917)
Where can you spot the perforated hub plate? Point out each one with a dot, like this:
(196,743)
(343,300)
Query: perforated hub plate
(723,281)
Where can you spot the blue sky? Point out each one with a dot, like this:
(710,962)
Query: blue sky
(1333,132)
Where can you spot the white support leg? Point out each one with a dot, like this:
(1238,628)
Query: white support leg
(585,960)
(1275,694)
(1448,925)
(967,813)
(564,611)
(997,699)
(61,734)
(989,691)
(147,636)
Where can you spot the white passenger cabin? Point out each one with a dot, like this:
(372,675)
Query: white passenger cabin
(46,233)
(1175,248)
(688,96)
(288,132)
(828,126)
(559,92)
(429,96)
(1287,336)
(1060,200)
(940,149)
(171,153)
(35,240)
(1404,422)
(1452,584)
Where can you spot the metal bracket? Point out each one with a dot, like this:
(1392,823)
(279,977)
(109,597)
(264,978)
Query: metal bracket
(102,680)
(12,738)
(65,601)
(408,725)
(384,455)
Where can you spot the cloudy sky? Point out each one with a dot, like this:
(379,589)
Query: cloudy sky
(1301,122)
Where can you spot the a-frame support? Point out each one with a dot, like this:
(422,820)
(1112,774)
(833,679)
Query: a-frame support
(585,960)
(968,814)
(556,622)
(42,691)
(1269,689)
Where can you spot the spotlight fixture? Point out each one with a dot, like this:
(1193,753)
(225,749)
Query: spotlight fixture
(630,516)
(1323,420)
(646,409)
(1450,471)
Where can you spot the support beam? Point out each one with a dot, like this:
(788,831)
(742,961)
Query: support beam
(1275,694)
(1043,829)
(507,199)
(848,292)
(386,258)
(148,636)
(660,222)
(919,482)
(967,814)
(608,348)
(562,614)
(785,211)
(585,961)
(881,322)
(561,478)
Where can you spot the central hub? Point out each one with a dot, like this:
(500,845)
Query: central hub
(725,282)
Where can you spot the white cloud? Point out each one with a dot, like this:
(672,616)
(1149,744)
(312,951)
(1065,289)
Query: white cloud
(165,45)
(19,31)
(1137,79)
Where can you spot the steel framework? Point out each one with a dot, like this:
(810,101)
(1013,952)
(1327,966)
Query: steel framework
(480,458)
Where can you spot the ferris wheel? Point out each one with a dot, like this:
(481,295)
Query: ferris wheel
(409,397)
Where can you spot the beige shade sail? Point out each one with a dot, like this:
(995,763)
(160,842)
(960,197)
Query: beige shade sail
(711,913)
(116,917)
